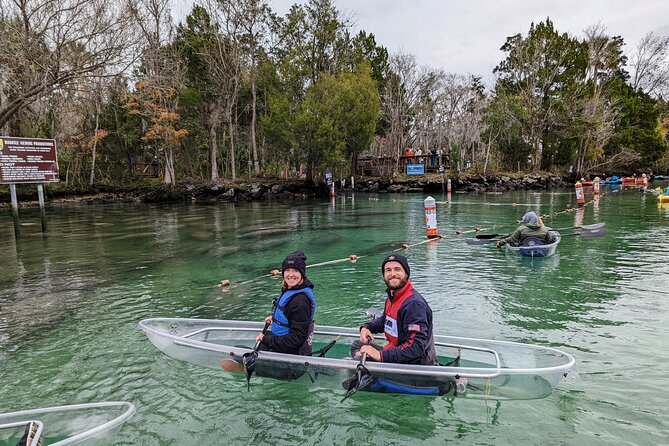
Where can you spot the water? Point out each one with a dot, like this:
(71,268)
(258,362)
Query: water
(70,302)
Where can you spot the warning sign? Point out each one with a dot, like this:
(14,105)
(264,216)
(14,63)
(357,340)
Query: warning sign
(28,160)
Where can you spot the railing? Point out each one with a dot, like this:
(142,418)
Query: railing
(385,165)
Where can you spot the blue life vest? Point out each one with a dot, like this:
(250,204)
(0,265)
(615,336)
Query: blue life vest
(279,320)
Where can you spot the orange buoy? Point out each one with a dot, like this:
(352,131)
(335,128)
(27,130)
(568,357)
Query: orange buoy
(406,246)
(225,282)
(353,258)
(595,186)
(275,272)
(580,197)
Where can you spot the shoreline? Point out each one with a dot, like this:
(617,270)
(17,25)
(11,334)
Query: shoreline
(267,189)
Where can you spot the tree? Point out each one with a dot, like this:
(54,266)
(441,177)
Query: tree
(51,45)
(537,68)
(337,118)
(156,96)
(650,65)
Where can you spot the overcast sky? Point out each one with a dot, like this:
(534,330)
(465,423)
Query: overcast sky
(464,36)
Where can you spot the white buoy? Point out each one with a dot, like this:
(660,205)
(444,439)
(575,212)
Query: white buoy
(431,217)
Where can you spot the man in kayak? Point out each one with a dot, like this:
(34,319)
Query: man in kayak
(292,318)
(530,227)
(406,321)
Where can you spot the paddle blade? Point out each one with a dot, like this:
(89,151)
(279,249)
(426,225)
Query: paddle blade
(474,241)
(486,236)
(249,361)
(596,233)
(360,380)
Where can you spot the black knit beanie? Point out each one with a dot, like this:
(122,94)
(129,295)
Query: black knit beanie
(295,260)
(397,258)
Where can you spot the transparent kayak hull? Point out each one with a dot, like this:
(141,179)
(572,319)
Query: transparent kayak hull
(80,424)
(537,250)
(491,369)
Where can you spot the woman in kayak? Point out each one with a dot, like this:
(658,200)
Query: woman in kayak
(292,318)
(530,227)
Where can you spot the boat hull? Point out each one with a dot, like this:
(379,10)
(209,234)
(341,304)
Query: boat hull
(537,250)
(493,369)
(80,424)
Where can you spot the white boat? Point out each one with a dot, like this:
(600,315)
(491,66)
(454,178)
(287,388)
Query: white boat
(80,424)
(486,369)
(532,247)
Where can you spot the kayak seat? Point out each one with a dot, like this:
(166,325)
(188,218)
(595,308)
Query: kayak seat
(531,241)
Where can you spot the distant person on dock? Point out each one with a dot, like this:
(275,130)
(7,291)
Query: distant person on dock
(406,321)
(292,318)
(530,227)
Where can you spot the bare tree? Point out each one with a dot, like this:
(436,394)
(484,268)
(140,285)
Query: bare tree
(650,65)
(48,45)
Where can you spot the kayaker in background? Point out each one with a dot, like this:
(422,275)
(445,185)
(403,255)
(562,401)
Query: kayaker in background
(530,227)
(406,321)
(292,318)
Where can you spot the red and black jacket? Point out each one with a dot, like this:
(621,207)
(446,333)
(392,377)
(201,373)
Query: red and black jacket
(407,324)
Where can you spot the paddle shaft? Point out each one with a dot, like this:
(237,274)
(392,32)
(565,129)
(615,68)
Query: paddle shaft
(586,227)
(264,330)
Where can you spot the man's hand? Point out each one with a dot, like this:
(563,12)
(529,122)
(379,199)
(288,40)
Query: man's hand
(366,336)
(499,244)
(371,352)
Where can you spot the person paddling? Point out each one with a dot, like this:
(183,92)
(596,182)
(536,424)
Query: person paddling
(530,227)
(406,321)
(292,318)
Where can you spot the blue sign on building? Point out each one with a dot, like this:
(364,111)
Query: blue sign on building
(415,169)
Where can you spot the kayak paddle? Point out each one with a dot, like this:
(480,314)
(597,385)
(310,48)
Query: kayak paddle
(249,359)
(585,227)
(361,379)
(595,233)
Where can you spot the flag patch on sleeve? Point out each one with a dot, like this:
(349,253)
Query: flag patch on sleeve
(413,327)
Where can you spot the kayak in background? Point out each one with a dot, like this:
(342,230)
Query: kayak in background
(533,247)
(80,424)
(473,368)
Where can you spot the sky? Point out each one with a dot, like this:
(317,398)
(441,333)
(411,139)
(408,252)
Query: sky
(464,36)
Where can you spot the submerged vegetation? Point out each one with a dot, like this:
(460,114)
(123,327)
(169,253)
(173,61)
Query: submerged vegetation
(235,91)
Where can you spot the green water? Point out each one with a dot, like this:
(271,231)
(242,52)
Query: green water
(70,303)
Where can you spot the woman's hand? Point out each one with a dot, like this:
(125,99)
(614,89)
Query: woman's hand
(260,337)
(268,319)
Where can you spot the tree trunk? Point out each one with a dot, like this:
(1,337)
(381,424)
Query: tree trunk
(232,151)
(254,146)
(212,122)
(95,144)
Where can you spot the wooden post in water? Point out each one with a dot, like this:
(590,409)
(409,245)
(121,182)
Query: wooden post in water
(42,211)
(15,210)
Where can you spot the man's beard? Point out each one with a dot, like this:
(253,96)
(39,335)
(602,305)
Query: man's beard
(402,283)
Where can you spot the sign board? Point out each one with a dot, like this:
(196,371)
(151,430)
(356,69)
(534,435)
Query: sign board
(441,169)
(28,160)
(415,169)
(328,178)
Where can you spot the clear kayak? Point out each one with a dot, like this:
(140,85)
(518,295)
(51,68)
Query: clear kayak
(80,424)
(537,250)
(473,368)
